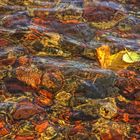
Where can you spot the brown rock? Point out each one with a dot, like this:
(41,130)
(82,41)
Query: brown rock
(52,80)
(26,109)
(29,75)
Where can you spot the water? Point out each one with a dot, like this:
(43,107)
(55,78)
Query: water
(52,85)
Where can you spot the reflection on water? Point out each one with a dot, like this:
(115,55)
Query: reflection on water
(52,85)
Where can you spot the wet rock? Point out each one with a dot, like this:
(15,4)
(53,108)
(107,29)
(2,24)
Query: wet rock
(18,137)
(79,115)
(4,130)
(43,101)
(31,76)
(108,109)
(137,96)
(23,60)
(103,16)
(52,79)
(63,98)
(25,129)
(89,90)
(8,61)
(101,88)
(102,129)
(25,110)
(14,86)
(112,134)
(42,126)
(129,84)
(49,133)
(44,98)
(38,46)
(16,21)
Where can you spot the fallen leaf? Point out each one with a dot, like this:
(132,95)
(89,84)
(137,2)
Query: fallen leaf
(113,62)
(52,39)
(3,42)
(103,56)
(117,62)
(131,57)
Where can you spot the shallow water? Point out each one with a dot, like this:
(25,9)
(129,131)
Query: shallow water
(52,83)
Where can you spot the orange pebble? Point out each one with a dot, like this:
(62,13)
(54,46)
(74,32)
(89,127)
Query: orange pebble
(3,132)
(24,138)
(1,124)
(23,60)
(126,117)
(45,93)
(41,127)
(44,101)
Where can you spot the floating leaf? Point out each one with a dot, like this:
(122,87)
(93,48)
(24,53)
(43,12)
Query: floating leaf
(116,61)
(131,57)
(108,61)
(103,55)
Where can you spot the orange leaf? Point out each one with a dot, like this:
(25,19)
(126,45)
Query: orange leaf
(108,61)
(116,61)
(103,56)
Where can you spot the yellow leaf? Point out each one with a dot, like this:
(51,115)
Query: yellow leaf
(103,56)
(131,57)
(108,61)
(116,61)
